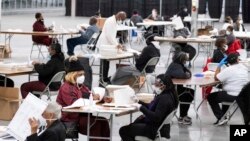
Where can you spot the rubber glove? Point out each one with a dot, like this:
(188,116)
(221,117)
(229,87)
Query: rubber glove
(222,62)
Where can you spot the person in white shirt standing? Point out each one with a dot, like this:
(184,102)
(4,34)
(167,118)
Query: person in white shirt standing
(233,79)
(108,37)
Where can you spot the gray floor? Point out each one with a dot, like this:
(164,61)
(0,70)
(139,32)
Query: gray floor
(21,45)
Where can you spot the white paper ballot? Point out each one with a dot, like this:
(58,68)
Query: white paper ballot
(31,107)
(100,91)
(78,103)
(124,97)
(178,23)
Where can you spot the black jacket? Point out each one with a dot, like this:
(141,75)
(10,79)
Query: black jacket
(218,55)
(243,101)
(157,110)
(56,132)
(178,70)
(48,70)
(147,53)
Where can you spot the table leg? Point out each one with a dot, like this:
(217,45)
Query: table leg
(111,126)
(131,117)
(101,81)
(88,127)
(198,52)
(5,81)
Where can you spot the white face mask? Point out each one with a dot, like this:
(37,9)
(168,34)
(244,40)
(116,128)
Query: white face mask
(228,33)
(185,10)
(42,121)
(240,22)
(157,90)
(225,47)
(119,22)
(80,79)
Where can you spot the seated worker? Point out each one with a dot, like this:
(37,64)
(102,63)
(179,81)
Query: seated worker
(73,89)
(136,18)
(154,17)
(164,102)
(238,26)
(178,70)
(54,131)
(220,52)
(123,74)
(230,36)
(228,22)
(40,27)
(184,33)
(46,71)
(233,78)
(9,82)
(86,34)
(184,13)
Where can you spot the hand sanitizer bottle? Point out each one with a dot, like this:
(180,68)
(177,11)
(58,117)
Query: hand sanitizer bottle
(91,101)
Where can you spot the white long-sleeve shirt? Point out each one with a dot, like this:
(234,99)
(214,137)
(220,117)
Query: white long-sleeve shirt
(109,31)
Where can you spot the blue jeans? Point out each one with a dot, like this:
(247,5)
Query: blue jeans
(73,42)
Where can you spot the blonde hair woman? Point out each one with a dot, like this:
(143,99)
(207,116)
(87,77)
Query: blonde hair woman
(73,89)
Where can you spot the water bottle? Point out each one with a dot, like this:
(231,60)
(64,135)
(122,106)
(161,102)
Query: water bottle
(91,101)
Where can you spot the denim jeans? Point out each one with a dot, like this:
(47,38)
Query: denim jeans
(73,42)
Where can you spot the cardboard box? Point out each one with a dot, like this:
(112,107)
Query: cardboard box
(9,102)
(100,22)
(5,51)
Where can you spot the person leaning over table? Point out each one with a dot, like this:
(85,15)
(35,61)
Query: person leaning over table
(54,131)
(73,89)
(46,71)
(233,78)
(178,70)
(152,49)
(108,37)
(164,102)
(86,34)
(40,27)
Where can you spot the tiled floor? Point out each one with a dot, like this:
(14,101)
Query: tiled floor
(204,131)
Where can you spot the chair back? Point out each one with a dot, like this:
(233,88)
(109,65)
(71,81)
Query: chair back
(91,44)
(167,120)
(58,77)
(152,62)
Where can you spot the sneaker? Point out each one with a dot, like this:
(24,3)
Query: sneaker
(222,122)
(180,120)
(216,123)
(185,120)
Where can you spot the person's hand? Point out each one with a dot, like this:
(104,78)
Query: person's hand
(107,99)
(137,105)
(119,46)
(35,62)
(84,28)
(135,99)
(222,62)
(96,97)
(34,123)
